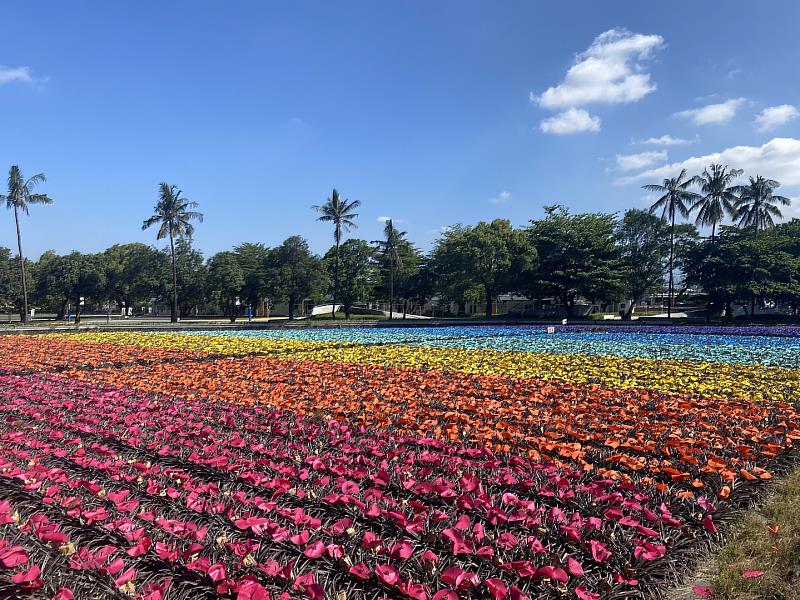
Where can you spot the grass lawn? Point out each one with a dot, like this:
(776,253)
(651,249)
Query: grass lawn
(768,540)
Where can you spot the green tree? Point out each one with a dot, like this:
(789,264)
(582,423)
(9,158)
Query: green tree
(134,273)
(406,269)
(578,257)
(642,240)
(53,282)
(86,280)
(173,215)
(450,267)
(498,258)
(676,199)
(226,280)
(252,259)
(340,213)
(9,279)
(294,272)
(20,195)
(756,204)
(390,250)
(358,271)
(192,277)
(744,268)
(718,198)
(422,285)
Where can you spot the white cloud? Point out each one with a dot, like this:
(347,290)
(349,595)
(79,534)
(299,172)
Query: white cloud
(714,114)
(609,71)
(634,162)
(441,230)
(667,140)
(384,219)
(15,75)
(775,116)
(572,120)
(501,198)
(777,159)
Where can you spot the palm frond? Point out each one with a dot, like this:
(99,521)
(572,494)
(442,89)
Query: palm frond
(39,199)
(151,221)
(32,182)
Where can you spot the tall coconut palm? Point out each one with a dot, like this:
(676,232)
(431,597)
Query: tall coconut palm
(718,197)
(340,213)
(390,248)
(172,212)
(20,195)
(676,199)
(756,205)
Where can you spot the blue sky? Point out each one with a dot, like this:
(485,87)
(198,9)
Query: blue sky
(428,112)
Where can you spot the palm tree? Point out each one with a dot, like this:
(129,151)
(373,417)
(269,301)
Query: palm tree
(676,196)
(340,213)
(20,195)
(172,212)
(718,197)
(756,204)
(390,247)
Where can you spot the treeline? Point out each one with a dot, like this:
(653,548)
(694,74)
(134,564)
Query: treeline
(571,258)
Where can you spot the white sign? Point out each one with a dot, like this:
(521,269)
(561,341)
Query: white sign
(551,329)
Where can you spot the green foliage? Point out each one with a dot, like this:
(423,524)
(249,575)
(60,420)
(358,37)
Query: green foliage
(252,260)
(226,280)
(450,268)
(294,272)
(644,245)
(719,197)
(192,274)
(757,206)
(174,215)
(358,272)
(9,279)
(20,195)
(135,273)
(341,214)
(493,257)
(578,257)
(78,276)
(739,267)
(399,262)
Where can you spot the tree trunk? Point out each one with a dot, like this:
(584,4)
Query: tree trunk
(671,253)
(489,297)
(569,306)
(22,268)
(713,230)
(629,313)
(405,307)
(291,308)
(335,278)
(173,317)
(728,311)
(78,308)
(391,288)
(62,310)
